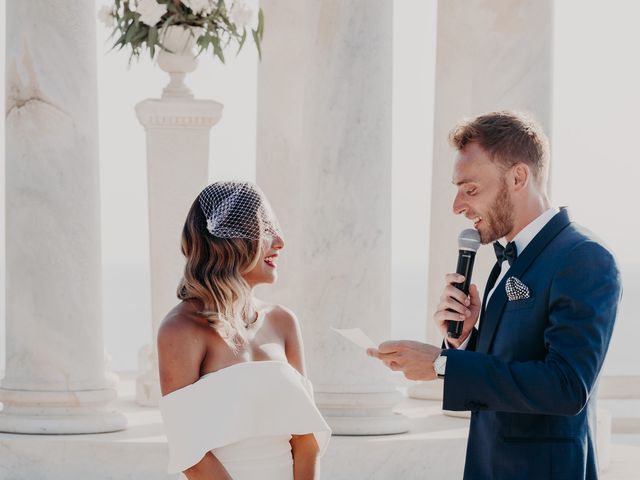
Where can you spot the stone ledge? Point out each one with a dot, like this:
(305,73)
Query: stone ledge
(619,386)
(433,448)
(435,445)
(625,414)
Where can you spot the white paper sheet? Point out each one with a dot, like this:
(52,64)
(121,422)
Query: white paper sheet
(356,336)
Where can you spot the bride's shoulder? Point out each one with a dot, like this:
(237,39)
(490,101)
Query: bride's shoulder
(281,318)
(285,324)
(182,347)
(182,322)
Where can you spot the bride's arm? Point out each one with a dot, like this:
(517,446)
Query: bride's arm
(304,448)
(305,457)
(209,468)
(181,350)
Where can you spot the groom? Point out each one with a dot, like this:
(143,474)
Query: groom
(528,371)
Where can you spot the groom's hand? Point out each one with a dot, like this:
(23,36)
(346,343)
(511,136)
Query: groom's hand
(455,305)
(414,359)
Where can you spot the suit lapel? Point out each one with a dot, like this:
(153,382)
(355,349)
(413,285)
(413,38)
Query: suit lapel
(493,276)
(492,314)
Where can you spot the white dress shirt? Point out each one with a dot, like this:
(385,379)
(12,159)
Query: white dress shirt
(521,240)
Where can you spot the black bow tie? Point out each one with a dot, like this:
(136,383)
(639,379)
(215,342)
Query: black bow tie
(508,253)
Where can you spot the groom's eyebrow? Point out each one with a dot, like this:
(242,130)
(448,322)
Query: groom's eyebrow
(460,182)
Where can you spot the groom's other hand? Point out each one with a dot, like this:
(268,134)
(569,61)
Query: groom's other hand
(414,359)
(455,305)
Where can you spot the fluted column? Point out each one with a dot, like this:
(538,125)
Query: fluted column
(490,56)
(324,160)
(177,130)
(55,378)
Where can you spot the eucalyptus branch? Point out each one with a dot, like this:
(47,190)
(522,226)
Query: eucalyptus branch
(138,25)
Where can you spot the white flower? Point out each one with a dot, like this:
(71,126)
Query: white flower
(199,7)
(105,15)
(150,11)
(244,13)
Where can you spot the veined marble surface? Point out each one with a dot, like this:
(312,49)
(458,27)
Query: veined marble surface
(324,160)
(55,367)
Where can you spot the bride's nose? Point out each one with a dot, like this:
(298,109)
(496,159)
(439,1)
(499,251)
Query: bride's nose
(277,243)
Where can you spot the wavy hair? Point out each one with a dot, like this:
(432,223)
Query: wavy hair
(508,137)
(213,275)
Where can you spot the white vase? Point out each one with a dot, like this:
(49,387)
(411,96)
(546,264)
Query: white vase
(179,60)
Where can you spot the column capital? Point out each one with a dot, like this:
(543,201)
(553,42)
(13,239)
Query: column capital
(183,113)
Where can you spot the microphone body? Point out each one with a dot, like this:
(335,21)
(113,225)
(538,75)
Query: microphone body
(468,244)
(465,267)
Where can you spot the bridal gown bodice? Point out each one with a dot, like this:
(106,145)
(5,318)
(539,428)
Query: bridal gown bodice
(245,415)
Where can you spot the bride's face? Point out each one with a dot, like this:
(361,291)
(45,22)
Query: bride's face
(266,268)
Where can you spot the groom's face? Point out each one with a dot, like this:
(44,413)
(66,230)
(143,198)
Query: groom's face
(483,196)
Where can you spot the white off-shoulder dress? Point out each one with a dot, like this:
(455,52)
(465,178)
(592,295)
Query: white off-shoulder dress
(245,415)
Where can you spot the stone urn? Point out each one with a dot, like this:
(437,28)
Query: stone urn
(179,60)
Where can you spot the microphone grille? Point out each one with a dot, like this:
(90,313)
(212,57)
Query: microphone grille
(469,239)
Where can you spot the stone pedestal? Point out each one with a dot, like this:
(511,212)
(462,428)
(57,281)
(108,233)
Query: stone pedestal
(177,164)
(55,378)
(491,56)
(324,161)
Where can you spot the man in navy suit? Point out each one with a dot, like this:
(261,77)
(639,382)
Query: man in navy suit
(528,369)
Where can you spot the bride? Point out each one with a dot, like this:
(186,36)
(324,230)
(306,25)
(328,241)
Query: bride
(236,403)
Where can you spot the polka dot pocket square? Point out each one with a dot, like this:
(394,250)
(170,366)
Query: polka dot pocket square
(516,290)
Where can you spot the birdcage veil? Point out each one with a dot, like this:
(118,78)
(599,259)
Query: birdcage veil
(235,209)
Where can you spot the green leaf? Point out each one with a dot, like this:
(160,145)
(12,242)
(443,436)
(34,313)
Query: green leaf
(129,34)
(256,40)
(242,40)
(261,24)
(217,50)
(152,38)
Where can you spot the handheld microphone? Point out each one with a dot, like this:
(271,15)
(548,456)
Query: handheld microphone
(468,244)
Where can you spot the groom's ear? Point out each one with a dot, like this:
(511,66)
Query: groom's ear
(520,176)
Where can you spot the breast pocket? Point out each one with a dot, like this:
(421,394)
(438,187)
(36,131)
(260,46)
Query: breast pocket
(523,304)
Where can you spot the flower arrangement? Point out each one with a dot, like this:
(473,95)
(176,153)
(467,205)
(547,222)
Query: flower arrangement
(140,24)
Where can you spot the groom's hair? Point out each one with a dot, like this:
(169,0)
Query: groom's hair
(509,138)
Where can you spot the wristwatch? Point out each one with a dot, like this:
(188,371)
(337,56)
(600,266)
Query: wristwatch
(440,365)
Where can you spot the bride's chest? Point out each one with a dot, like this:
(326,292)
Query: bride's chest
(260,346)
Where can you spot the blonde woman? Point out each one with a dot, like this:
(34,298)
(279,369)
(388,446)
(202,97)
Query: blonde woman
(236,403)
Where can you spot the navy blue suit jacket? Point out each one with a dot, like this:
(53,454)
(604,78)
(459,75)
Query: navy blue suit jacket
(530,375)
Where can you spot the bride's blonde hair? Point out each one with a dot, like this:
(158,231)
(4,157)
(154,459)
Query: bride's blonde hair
(213,275)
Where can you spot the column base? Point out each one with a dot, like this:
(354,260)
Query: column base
(392,424)
(432,390)
(59,412)
(362,413)
(100,422)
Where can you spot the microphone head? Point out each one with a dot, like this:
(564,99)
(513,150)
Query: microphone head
(469,239)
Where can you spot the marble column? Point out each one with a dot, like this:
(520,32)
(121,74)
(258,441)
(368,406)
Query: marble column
(490,56)
(177,129)
(324,160)
(55,378)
